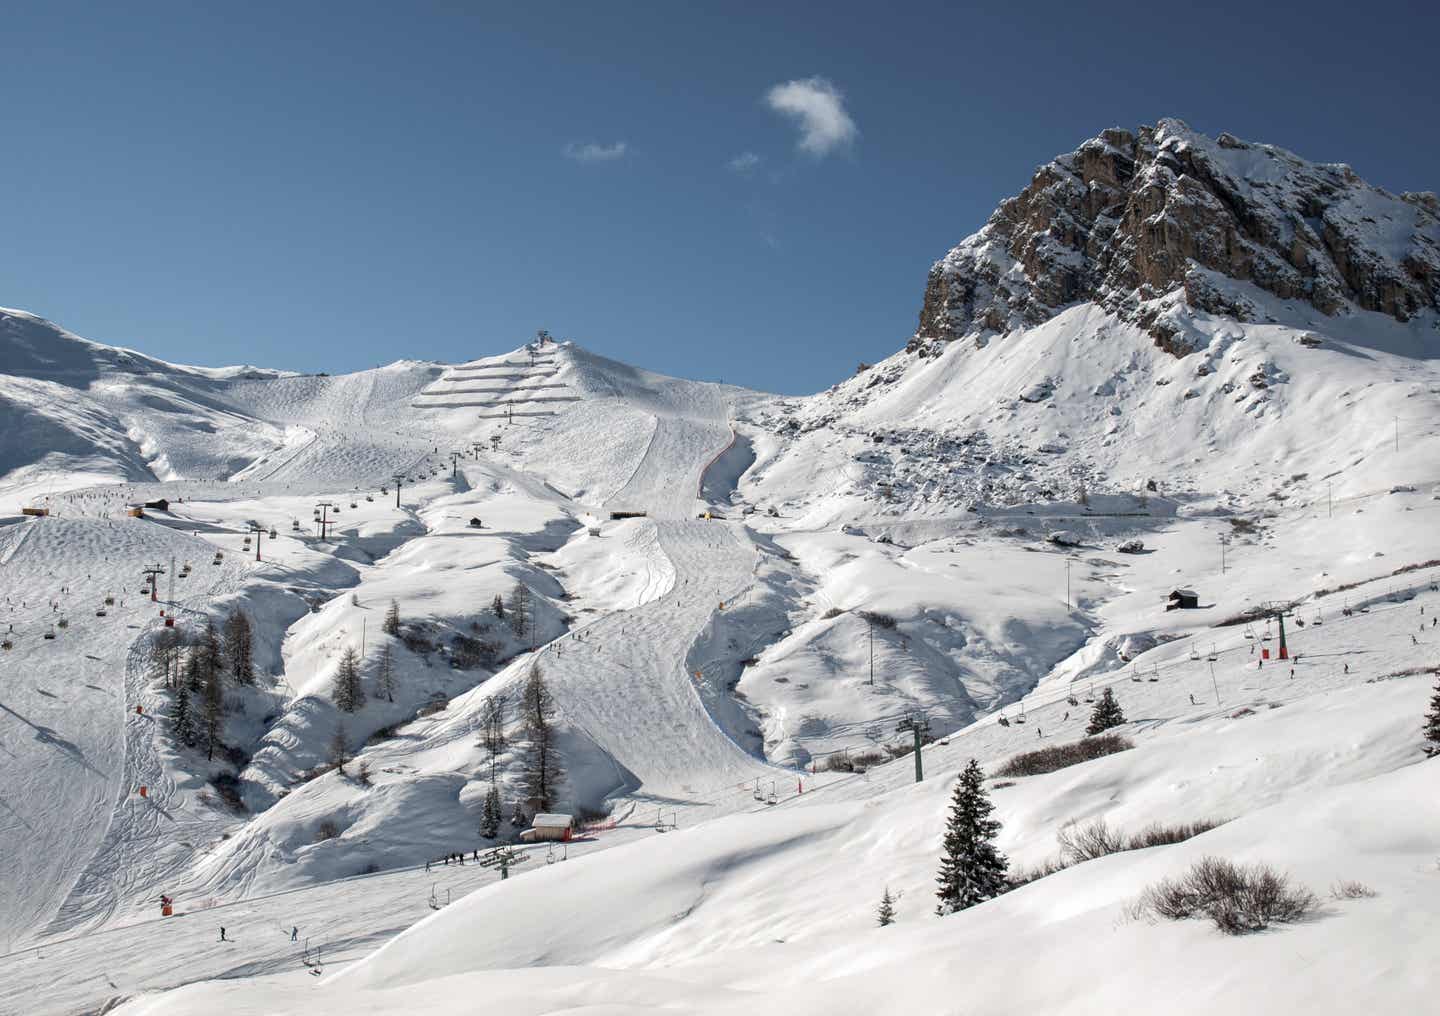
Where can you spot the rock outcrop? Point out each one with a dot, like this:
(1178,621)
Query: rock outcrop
(1129,218)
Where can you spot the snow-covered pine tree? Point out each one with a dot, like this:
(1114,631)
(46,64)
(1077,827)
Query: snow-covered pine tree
(1106,714)
(885,915)
(240,647)
(1432,724)
(971,869)
(497,606)
(391,624)
(385,673)
(491,814)
(345,689)
(182,723)
(338,751)
(212,659)
(543,772)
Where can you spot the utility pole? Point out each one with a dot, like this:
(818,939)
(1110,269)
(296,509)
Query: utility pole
(397,477)
(918,725)
(1067,582)
(152,575)
(1223,542)
(1213,683)
(454,464)
(871,625)
(1329,499)
(324,509)
(172,580)
(1397,433)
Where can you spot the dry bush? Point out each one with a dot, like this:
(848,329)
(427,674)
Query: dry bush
(1157,835)
(1238,899)
(1061,756)
(1345,889)
(1086,843)
(327,830)
(833,612)
(877,619)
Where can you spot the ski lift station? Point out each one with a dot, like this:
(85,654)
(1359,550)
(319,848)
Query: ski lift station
(549,827)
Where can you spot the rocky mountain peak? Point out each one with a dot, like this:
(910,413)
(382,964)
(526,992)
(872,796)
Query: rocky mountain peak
(1129,218)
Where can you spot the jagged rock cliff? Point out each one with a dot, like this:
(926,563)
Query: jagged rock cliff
(1129,218)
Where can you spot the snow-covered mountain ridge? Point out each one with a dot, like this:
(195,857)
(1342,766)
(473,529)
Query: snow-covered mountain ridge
(1131,217)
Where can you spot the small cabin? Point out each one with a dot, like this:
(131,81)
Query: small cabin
(38,513)
(136,511)
(160,504)
(549,827)
(475,523)
(1182,599)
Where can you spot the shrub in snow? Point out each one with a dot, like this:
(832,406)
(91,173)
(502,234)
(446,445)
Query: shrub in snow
(1345,889)
(1237,899)
(877,619)
(1085,843)
(1061,756)
(327,830)
(339,748)
(1131,547)
(1106,714)
(1064,538)
(971,869)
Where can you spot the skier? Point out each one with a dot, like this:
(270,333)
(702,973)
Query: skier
(1347,668)
(222,933)
(1192,698)
(294,932)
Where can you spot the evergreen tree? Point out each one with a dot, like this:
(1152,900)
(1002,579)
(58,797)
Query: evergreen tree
(1432,724)
(391,624)
(182,724)
(886,914)
(493,717)
(1106,714)
(212,709)
(971,869)
(492,813)
(345,689)
(385,673)
(240,647)
(519,610)
(497,606)
(339,748)
(194,676)
(543,772)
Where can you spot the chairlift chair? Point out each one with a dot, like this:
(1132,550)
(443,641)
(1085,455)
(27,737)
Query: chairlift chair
(1213,654)
(1194,653)
(63,623)
(1318,619)
(49,634)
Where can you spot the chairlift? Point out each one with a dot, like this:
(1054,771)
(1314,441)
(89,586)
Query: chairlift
(109,601)
(63,623)
(1155,674)
(1021,717)
(1194,653)
(1213,654)
(100,612)
(7,644)
(1090,694)
(1318,619)
(772,799)
(1003,721)
(1249,634)
(273,534)
(49,634)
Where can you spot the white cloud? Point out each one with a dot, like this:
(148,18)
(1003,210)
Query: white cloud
(595,152)
(818,109)
(745,163)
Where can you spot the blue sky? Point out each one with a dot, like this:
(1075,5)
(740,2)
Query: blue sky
(327,187)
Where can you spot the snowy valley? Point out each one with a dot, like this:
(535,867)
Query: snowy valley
(1173,365)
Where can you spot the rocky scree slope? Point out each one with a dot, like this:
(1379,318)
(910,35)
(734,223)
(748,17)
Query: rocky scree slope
(1128,218)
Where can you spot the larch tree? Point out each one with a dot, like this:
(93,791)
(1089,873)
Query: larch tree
(520,610)
(971,869)
(339,748)
(212,709)
(346,689)
(497,606)
(543,772)
(1106,714)
(385,673)
(391,624)
(492,718)
(239,645)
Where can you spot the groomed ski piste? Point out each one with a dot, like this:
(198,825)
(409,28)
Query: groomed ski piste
(958,517)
